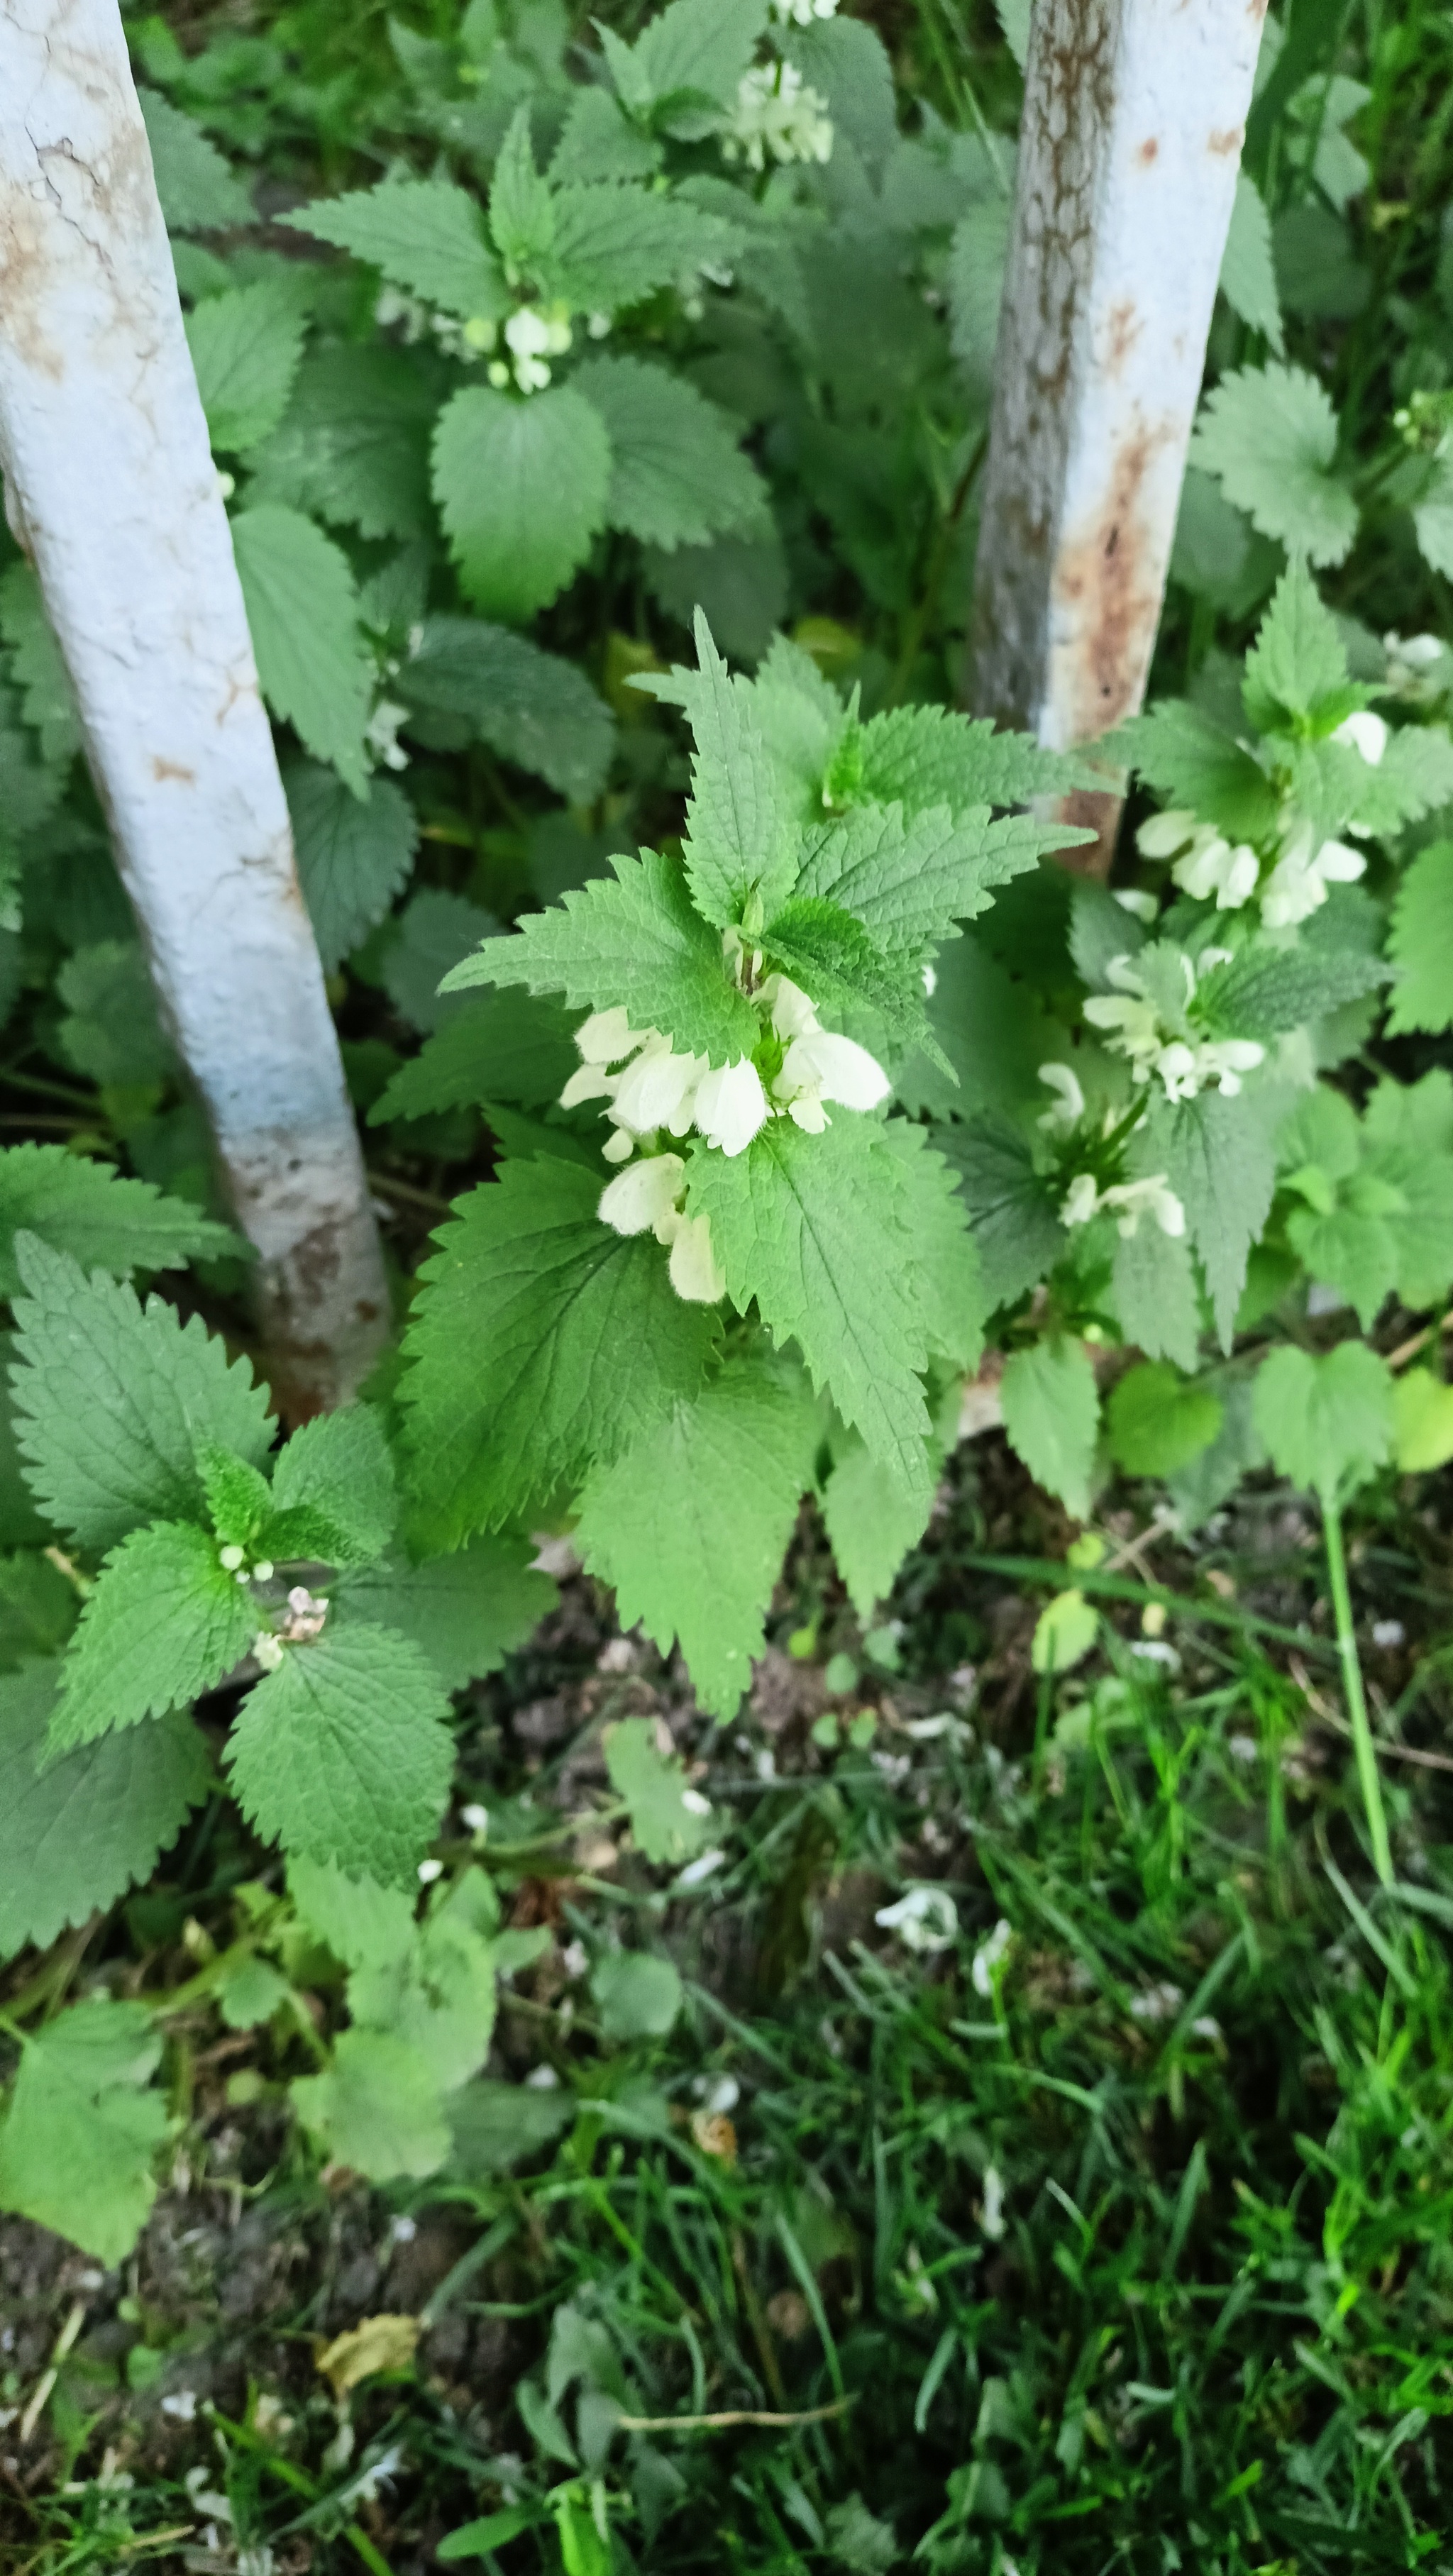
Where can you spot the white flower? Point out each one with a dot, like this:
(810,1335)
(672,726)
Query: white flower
(533,337)
(989,1958)
(991,2220)
(643,1199)
(1138,901)
(792,1014)
(822,1066)
(382,736)
(1069,1105)
(731,1105)
(800,13)
(1157,2003)
(693,1266)
(1161,835)
(1298,883)
(777,113)
(267,1651)
(1184,1066)
(1213,867)
(1129,1201)
(1081,1200)
(619,1147)
(926,1919)
(697,1871)
(607,1036)
(657,1089)
(1366,733)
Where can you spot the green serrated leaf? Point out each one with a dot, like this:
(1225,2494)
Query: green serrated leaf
(422,234)
(376,2108)
(666,1826)
(543,1342)
(521,206)
(467,1611)
(239,1496)
(508,1047)
(1156,1421)
(1248,275)
(521,487)
(912,885)
(89,1211)
(112,1399)
(678,476)
(1012,1210)
(634,941)
(1269,434)
(1299,656)
(616,244)
(924,756)
(872,1521)
(1217,1157)
(718,1484)
(164,1624)
(38,665)
(1421,944)
(739,840)
(353,446)
(245,348)
(530,707)
(344,1753)
(1328,1422)
(302,608)
(1154,1291)
(814,1228)
(77,2144)
(76,1833)
(1186,756)
(1262,992)
(1051,1415)
(338,1468)
(354,856)
(198,192)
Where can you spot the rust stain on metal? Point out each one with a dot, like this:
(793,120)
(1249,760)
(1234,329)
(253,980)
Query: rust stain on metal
(1149,151)
(162,768)
(1108,570)
(1124,332)
(1226,139)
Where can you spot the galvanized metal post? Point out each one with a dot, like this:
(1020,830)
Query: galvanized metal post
(110,487)
(1134,114)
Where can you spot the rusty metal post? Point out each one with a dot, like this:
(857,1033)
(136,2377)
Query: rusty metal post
(111,489)
(1134,113)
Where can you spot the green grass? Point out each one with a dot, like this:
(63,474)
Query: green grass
(1128,2245)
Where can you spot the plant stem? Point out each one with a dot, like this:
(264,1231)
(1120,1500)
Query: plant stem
(1356,1698)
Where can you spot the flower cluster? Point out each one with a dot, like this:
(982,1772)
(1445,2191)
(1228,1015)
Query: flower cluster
(652,1092)
(532,338)
(1126,1201)
(1130,1018)
(777,115)
(1419,668)
(306,1614)
(800,13)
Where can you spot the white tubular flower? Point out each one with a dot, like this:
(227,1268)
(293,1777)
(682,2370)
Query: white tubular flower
(1211,867)
(619,1146)
(607,1036)
(1081,1200)
(1128,1017)
(1162,836)
(1297,886)
(823,1066)
(382,736)
(657,1089)
(693,1267)
(643,1199)
(1366,733)
(792,1014)
(800,13)
(1131,1200)
(1138,901)
(731,1106)
(530,337)
(777,113)
(588,1082)
(1069,1103)
(1224,1060)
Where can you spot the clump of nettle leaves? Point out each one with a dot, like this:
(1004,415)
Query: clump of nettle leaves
(788,1125)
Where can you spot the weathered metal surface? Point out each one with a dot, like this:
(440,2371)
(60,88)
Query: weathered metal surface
(111,488)
(1134,115)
